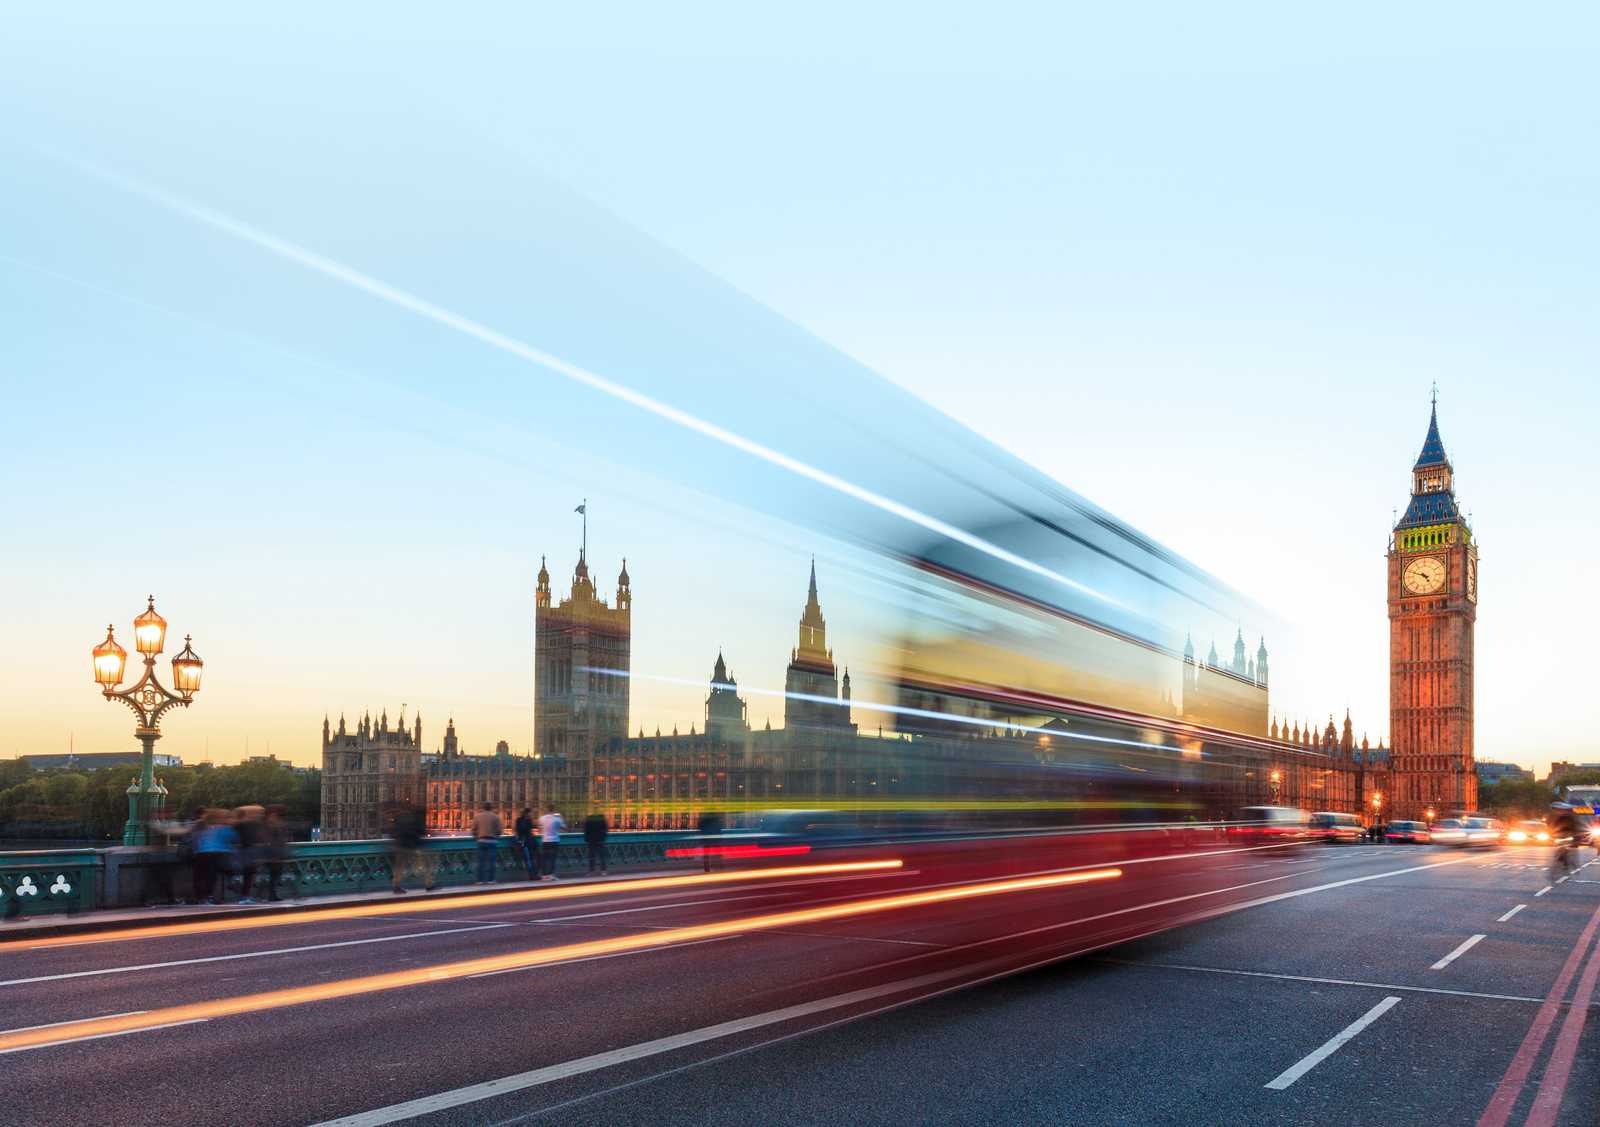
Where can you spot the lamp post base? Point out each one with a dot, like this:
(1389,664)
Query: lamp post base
(146,797)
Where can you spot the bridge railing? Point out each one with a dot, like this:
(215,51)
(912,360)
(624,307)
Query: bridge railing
(43,881)
(55,881)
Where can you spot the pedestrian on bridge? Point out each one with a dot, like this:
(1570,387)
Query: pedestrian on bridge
(550,827)
(215,855)
(250,823)
(486,829)
(594,836)
(275,845)
(526,844)
(407,831)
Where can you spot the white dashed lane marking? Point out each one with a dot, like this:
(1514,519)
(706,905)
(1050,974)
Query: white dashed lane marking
(1289,1075)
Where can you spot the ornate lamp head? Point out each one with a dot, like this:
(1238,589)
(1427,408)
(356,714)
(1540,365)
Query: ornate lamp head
(150,630)
(109,659)
(186,667)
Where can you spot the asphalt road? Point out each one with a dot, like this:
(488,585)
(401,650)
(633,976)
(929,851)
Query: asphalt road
(1349,984)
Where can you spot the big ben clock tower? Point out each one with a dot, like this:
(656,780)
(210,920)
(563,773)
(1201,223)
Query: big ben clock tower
(1433,604)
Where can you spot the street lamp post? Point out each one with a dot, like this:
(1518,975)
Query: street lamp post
(1377,811)
(1277,783)
(150,700)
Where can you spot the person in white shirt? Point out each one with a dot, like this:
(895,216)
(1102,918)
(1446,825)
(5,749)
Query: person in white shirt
(550,826)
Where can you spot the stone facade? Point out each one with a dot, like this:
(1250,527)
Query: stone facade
(582,648)
(365,771)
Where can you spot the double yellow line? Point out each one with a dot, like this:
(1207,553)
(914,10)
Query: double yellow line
(521,960)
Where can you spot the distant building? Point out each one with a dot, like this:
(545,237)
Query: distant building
(814,697)
(94,760)
(366,770)
(1231,696)
(457,784)
(1491,772)
(580,665)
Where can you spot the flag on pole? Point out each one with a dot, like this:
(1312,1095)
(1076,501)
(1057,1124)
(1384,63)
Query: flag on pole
(582,509)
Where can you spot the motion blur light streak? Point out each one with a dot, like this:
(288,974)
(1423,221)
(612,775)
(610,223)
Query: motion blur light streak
(742,851)
(299,995)
(438,314)
(452,903)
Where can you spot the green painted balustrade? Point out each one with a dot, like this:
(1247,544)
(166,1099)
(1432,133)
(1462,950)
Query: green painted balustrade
(43,881)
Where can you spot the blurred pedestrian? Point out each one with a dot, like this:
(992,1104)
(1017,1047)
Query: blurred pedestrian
(275,846)
(550,827)
(216,856)
(187,852)
(250,824)
(161,860)
(594,836)
(486,830)
(1564,833)
(526,845)
(710,836)
(407,830)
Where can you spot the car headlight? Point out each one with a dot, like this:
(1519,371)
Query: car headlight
(1517,835)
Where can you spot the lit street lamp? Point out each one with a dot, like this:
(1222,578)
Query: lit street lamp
(1277,780)
(1377,811)
(149,699)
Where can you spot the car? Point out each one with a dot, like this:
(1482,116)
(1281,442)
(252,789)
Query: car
(1484,832)
(1411,833)
(1448,831)
(1330,826)
(1270,824)
(1528,833)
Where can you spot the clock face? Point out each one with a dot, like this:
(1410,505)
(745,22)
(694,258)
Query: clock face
(1424,576)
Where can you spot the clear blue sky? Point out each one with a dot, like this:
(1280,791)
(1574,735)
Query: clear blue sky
(1200,265)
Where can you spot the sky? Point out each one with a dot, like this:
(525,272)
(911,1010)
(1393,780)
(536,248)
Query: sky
(1201,268)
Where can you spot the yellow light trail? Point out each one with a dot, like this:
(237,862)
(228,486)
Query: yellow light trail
(522,960)
(455,903)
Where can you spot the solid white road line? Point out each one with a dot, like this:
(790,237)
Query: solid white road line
(1295,1071)
(73,1021)
(1511,913)
(441,1101)
(1544,890)
(103,1036)
(616,955)
(1458,952)
(1562,880)
(245,955)
(1324,981)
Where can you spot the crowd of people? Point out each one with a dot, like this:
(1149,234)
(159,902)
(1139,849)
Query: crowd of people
(218,845)
(536,842)
(222,848)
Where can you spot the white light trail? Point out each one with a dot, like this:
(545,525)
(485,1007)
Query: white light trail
(399,298)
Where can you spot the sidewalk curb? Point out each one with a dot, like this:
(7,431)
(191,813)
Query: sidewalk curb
(14,933)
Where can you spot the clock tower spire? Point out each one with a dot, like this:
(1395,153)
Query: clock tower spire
(1433,605)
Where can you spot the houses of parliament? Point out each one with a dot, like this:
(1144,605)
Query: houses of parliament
(585,758)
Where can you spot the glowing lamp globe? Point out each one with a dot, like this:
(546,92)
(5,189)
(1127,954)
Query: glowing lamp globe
(109,659)
(186,668)
(150,630)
